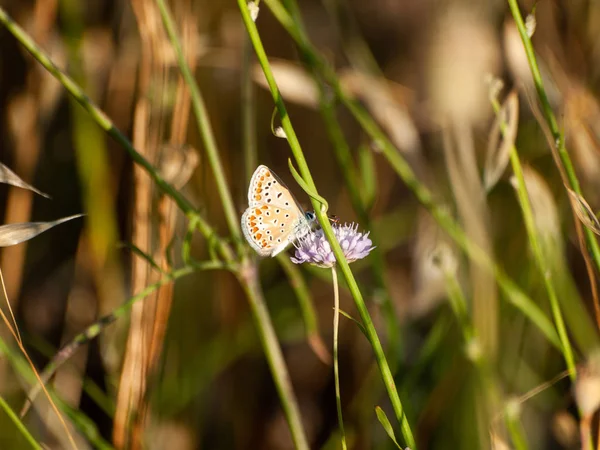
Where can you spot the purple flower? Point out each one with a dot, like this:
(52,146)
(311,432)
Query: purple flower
(315,249)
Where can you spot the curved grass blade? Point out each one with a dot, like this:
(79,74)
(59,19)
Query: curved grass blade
(139,252)
(361,327)
(19,424)
(387,426)
(7,176)
(501,140)
(97,327)
(306,188)
(307,308)
(584,211)
(368,176)
(15,233)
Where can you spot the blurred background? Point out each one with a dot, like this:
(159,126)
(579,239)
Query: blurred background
(187,360)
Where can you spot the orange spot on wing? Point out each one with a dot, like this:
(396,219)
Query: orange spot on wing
(252,217)
(258,235)
(267,173)
(265,207)
(259,190)
(254,230)
(257,197)
(258,212)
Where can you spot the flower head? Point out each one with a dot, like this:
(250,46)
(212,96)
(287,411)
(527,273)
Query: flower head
(315,249)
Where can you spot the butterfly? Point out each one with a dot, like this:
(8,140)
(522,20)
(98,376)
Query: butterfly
(274,219)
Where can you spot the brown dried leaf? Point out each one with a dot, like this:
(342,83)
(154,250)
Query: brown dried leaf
(587,387)
(565,429)
(15,233)
(9,177)
(543,206)
(584,211)
(295,83)
(500,144)
(388,102)
(177,163)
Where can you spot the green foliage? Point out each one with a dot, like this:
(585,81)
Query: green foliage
(421,334)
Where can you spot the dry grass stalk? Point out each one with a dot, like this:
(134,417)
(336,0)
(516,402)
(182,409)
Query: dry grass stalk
(589,266)
(155,218)
(25,112)
(587,397)
(147,137)
(473,211)
(177,163)
(472,208)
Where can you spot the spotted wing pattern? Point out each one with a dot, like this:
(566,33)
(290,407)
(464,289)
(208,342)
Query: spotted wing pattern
(271,221)
(266,188)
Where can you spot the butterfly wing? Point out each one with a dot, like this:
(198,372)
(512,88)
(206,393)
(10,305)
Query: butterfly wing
(270,229)
(267,189)
(271,221)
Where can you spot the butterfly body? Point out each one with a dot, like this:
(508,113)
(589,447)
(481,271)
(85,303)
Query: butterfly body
(274,219)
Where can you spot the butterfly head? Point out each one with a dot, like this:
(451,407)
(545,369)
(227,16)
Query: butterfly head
(311,218)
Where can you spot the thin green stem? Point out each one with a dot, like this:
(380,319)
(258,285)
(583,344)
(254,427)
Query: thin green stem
(328,231)
(356,49)
(353,183)
(394,157)
(96,328)
(249,282)
(312,193)
(563,154)
(23,365)
(203,123)
(104,122)
(459,307)
(86,426)
(263,322)
(490,394)
(93,390)
(97,114)
(515,429)
(540,259)
(336,368)
(20,426)
(307,308)
(248,277)
(248,112)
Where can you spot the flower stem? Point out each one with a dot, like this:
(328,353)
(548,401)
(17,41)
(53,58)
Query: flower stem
(19,424)
(307,307)
(564,163)
(540,259)
(248,276)
(248,112)
(515,429)
(97,114)
(512,292)
(296,149)
(353,185)
(203,123)
(336,369)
